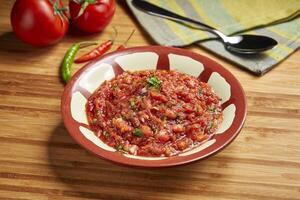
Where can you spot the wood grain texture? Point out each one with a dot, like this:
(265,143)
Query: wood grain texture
(39,160)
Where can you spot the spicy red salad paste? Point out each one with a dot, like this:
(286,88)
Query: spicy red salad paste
(154,113)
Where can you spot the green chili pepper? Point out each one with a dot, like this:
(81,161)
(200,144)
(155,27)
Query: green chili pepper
(69,59)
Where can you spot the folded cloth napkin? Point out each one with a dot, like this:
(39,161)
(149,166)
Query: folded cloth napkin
(275,18)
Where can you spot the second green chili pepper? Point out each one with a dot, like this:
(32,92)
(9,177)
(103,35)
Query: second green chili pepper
(68,60)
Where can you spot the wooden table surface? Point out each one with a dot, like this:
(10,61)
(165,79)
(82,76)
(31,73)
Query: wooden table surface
(39,160)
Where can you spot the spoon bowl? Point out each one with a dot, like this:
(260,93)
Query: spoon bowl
(249,44)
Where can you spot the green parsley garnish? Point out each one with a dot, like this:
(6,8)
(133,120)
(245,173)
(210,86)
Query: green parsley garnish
(200,91)
(154,82)
(94,120)
(211,127)
(106,134)
(132,105)
(119,148)
(99,112)
(213,109)
(138,132)
(115,87)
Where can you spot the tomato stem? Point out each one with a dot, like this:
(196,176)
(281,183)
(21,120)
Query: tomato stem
(131,34)
(115,35)
(123,46)
(86,44)
(84,5)
(58,10)
(64,9)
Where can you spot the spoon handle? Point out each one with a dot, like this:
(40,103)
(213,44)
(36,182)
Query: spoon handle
(161,12)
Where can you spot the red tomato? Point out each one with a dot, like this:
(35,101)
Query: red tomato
(39,22)
(95,17)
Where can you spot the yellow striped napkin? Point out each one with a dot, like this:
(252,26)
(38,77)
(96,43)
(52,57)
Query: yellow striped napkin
(275,18)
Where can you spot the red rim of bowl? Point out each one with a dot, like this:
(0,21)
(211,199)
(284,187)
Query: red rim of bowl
(222,140)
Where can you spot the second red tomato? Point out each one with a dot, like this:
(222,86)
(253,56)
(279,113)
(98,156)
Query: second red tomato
(91,16)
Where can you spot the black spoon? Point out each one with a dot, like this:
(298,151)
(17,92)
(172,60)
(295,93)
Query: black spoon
(242,44)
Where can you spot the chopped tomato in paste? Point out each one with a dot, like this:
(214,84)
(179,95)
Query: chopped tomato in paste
(154,113)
